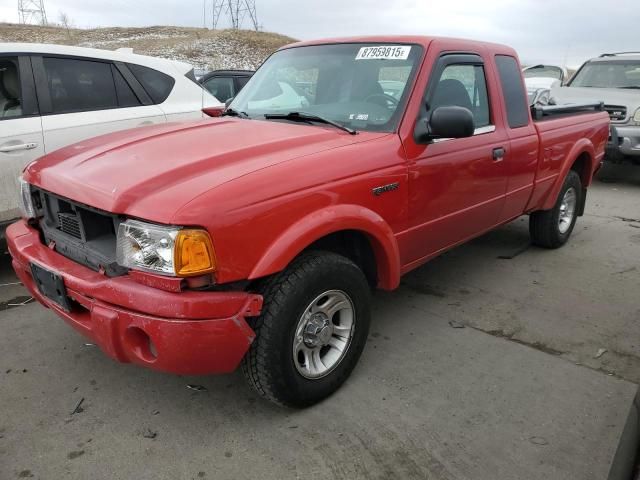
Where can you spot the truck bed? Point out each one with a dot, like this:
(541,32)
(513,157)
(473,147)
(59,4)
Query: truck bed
(557,135)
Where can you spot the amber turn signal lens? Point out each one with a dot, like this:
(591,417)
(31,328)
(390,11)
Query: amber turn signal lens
(193,253)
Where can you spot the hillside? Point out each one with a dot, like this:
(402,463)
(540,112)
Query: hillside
(242,49)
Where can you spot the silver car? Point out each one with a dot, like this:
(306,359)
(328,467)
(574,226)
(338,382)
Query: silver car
(613,78)
(539,79)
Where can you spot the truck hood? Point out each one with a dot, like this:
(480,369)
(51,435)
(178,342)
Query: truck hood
(610,96)
(151,172)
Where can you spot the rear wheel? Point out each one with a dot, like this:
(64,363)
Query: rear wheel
(311,332)
(552,228)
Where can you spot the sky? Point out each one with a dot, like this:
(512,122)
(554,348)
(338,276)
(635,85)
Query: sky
(542,31)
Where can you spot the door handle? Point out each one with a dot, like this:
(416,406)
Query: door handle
(15,148)
(498,154)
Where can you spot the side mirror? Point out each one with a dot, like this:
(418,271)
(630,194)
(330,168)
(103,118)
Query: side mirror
(451,122)
(446,122)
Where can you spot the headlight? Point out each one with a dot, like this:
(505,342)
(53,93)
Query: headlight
(26,200)
(636,117)
(166,250)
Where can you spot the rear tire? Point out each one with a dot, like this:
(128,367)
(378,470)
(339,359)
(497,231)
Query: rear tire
(311,332)
(552,228)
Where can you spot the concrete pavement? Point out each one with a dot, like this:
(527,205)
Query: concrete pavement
(516,394)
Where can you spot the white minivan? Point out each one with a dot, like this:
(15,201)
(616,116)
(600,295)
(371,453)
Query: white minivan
(54,95)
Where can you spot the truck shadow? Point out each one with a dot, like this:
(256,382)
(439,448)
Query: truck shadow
(626,173)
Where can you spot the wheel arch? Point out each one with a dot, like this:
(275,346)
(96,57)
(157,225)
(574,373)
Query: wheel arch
(339,229)
(581,159)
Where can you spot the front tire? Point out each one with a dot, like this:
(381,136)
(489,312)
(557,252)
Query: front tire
(552,228)
(311,332)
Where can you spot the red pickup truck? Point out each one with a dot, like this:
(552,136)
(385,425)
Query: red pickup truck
(256,238)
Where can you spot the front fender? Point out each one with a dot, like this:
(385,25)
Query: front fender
(330,220)
(581,147)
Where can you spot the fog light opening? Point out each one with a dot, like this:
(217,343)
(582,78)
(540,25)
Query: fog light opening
(141,344)
(152,349)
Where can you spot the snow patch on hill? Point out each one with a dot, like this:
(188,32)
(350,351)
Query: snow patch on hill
(220,49)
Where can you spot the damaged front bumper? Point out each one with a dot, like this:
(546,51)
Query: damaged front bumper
(189,332)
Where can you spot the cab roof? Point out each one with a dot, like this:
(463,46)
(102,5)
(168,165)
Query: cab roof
(422,40)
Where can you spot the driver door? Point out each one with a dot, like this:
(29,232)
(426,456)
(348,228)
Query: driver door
(456,186)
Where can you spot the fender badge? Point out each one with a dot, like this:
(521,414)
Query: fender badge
(377,191)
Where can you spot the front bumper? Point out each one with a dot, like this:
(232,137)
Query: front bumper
(191,333)
(625,140)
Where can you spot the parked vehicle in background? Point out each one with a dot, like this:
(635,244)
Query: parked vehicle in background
(553,72)
(539,80)
(539,90)
(613,78)
(55,95)
(225,84)
(199,73)
(257,238)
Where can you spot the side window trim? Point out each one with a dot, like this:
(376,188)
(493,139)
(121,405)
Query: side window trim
(28,96)
(42,86)
(478,131)
(135,85)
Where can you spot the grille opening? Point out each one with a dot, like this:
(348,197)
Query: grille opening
(81,233)
(95,224)
(69,223)
(617,113)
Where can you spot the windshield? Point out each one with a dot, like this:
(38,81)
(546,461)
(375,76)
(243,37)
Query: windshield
(544,71)
(361,86)
(613,74)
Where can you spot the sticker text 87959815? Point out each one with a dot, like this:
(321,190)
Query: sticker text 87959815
(384,52)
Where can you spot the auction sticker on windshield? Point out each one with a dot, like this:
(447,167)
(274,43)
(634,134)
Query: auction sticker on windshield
(384,52)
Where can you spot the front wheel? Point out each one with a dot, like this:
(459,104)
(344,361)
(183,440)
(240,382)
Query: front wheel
(552,228)
(311,332)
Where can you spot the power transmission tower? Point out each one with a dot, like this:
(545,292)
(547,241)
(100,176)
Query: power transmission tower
(32,12)
(235,11)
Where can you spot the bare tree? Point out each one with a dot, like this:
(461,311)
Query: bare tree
(66,23)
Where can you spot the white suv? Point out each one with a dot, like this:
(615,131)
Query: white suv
(54,95)
(612,78)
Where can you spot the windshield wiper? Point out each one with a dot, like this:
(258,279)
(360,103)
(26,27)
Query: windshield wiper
(230,112)
(636,87)
(308,117)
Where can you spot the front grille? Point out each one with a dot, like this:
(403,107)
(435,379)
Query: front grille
(81,233)
(70,224)
(617,113)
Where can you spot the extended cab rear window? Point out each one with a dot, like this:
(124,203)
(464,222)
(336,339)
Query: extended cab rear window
(157,84)
(513,90)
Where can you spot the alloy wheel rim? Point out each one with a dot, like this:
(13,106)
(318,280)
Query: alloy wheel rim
(567,210)
(323,334)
